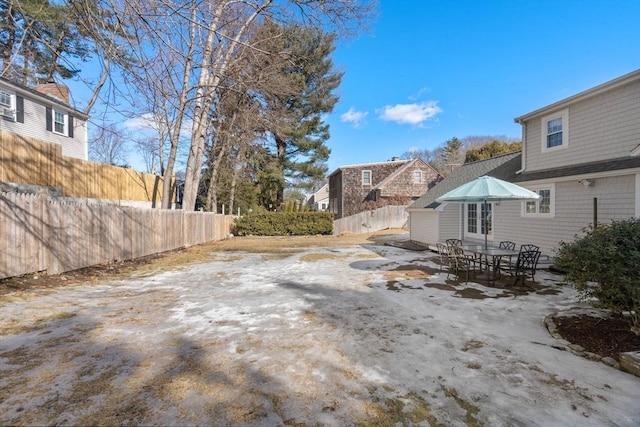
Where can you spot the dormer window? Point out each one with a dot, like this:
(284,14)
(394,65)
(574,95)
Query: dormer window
(555,130)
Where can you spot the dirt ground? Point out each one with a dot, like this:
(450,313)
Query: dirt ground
(223,334)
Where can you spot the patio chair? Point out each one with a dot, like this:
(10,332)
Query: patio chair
(462,261)
(454,242)
(508,245)
(529,247)
(525,266)
(445,258)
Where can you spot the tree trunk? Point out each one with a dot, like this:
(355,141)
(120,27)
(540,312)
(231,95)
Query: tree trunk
(234,178)
(210,76)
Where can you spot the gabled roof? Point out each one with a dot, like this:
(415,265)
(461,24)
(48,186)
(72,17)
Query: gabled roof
(502,167)
(24,90)
(597,90)
(363,165)
(400,170)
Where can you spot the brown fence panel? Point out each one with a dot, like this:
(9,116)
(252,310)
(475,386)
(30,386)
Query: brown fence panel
(30,161)
(38,233)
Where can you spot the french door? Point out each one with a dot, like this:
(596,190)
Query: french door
(474,226)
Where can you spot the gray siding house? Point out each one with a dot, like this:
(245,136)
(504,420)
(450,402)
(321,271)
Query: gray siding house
(581,154)
(44,114)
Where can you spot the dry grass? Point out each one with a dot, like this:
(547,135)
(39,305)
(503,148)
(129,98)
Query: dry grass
(17,288)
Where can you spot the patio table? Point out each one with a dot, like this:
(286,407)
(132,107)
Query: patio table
(495,254)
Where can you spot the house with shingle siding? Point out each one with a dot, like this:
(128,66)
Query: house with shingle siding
(350,187)
(581,154)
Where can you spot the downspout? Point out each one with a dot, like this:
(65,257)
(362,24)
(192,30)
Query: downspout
(523,151)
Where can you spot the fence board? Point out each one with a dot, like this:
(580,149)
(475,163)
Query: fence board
(38,233)
(30,161)
(374,220)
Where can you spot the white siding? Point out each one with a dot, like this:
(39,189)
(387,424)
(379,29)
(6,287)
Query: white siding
(35,126)
(423,226)
(451,222)
(602,127)
(573,212)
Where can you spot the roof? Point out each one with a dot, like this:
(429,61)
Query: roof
(368,164)
(627,78)
(502,167)
(580,169)
(401,169)
(34,93)
(507,168)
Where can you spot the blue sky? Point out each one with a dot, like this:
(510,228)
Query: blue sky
(431,70)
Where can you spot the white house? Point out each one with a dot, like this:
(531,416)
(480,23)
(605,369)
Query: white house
(581,154)
(44,113)
(319,201)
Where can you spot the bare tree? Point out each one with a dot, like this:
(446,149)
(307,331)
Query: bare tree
(109,146)
(224,41)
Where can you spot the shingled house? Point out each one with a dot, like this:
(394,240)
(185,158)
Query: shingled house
(392,182)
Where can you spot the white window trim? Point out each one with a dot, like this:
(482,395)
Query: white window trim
(552,199)
(12,106)
(564,115)
(370,177)
(53,122)
(417,174)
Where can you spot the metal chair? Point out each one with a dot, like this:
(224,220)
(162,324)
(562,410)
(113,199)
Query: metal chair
(529,247)
(525,265)
(445,259)
(462,261)
(508,245)
(454,242)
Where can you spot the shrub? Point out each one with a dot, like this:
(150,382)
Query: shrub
(604,266)
(284,224)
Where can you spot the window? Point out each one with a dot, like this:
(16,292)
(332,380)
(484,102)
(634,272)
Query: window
(475,227)
(555,129)
(544,206)
(417,177)
(59,122)
(5,99)
(6,105)
(366,177)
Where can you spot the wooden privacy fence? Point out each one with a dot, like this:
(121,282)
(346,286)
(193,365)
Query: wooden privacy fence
(373,220)
(38,233)
(26,160)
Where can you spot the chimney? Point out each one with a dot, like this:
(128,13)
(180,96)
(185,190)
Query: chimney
(395,159)
(58,91)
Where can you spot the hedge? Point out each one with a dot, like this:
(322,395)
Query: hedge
(284,224)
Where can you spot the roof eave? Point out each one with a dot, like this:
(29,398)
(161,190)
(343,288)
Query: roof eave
(627,78)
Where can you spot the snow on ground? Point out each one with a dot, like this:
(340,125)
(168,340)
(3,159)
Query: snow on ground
(365,335)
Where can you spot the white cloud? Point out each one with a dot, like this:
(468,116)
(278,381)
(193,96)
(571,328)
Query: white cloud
(147,123)
(354,117)
(419,94)
(144,122)
(413,114)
